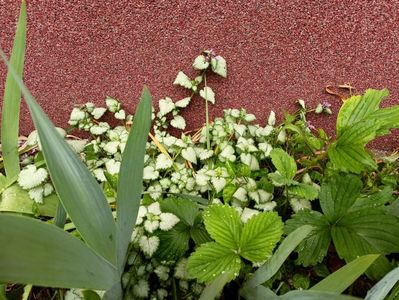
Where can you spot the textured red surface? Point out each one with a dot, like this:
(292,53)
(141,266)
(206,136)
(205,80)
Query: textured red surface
(277,51)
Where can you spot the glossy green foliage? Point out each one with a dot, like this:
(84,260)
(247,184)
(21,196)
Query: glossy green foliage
(359,121)
(354,229)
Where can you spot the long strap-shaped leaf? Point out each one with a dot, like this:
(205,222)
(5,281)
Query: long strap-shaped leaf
(77,189)
(340,280)
(41,254)
(130,185)
(384,286)
(12,101)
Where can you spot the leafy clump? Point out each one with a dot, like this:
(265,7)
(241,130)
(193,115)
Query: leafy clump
(253,241)
(357,225)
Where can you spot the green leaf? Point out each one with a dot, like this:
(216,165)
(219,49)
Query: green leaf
(338,194)
(304,191)
(187,211)
(211,260)
(358,108)
(228,192)
(368,231)
(271,267)
(279,180)
(12,100)
(15,199)
(359,121)
(377,199)
(315,295)
(173,243)
(341,279)
(199,235)
(90,295)
(37,253)
(259,293)
(223,224)
(284,163)
(212,290)
(130,182)
(382,288)
(260,235)
(314,248)
(78,190)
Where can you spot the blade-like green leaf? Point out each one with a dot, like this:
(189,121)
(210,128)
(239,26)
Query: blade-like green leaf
(267,270)
(382,288)
(130,184)
(211,260)
(260,235)
(212,290)
(284,163)
(12,100)
(338,195)
(315,295)
(37,253)
(259,293)
(340,280)
(314,248)
(79,192)
(223,224)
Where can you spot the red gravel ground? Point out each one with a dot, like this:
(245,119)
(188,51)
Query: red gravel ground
(277,51)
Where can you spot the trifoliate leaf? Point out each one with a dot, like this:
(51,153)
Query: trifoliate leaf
(314,248)
(219,66)
(173,243)
(183,102)
(200,235)
(208,94)
(260,235)
(366,232)
(200,63)
(284,163)
(359,121)
(166,106)
(187,211)
(189,154)
(98,112)
(178,122)
(223,224)
(183,80)
(338,195)
(210,260)
(304,191)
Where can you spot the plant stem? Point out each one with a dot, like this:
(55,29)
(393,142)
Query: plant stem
(208,140)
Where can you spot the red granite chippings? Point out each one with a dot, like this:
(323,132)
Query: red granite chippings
(277,51)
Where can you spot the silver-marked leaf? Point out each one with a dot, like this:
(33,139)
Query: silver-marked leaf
(219,66)
(183,80)
(208,94)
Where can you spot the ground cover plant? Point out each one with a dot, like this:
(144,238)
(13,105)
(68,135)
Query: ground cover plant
(233,209)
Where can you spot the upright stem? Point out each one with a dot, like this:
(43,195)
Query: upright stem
(208,140)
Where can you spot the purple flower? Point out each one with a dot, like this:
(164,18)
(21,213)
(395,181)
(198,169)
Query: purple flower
(310,126)
(326,104)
